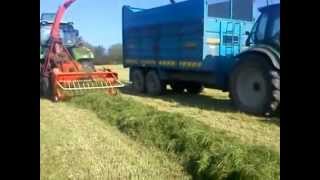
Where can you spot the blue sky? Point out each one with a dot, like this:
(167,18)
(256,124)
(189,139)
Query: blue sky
(99,21)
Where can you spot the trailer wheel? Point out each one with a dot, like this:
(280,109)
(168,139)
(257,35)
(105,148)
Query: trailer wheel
(45,87)
(177,87)
(194,88)
(253,86)
(154,85)
(137,80)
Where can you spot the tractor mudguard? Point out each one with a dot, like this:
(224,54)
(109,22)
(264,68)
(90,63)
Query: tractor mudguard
(272,54)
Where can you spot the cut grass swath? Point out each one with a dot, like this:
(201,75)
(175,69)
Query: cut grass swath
(76,144)
(206,153)
(213,108)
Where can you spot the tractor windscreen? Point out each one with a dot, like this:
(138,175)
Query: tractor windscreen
(49,17)
(67,32)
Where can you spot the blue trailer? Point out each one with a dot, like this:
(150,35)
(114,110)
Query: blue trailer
(181,46)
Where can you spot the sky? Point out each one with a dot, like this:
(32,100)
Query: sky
(99,21)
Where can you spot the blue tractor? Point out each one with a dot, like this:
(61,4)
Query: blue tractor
(255,78)
(191,44)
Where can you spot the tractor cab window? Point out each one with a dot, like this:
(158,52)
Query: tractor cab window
(66,27)
(262,27)
(48,17)
(252,36)
(70,34)
(45,33)
(67,32)
(275,29)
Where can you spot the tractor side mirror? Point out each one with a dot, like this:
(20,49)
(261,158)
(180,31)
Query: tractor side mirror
(248,41)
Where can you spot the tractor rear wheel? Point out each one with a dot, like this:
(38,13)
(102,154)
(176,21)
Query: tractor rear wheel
(87,65)
(154,85)
(45,87)
(255,86)
(137,78)
(194,88)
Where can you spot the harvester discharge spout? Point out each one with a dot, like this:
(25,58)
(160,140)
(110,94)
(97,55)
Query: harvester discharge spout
(63,77)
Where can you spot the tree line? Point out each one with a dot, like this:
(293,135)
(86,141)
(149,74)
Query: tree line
(112,55)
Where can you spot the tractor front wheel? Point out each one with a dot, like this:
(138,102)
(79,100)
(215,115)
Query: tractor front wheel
(45,87)
(252,86)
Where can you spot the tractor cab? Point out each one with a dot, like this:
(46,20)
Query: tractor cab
(267,28)
(68,33)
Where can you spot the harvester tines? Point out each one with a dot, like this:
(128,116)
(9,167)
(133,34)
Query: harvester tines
(75,84)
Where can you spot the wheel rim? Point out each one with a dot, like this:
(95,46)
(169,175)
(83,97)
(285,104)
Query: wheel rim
(251,88)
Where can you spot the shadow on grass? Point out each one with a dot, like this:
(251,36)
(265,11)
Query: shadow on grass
(200,101)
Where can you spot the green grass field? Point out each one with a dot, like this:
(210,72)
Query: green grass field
(205,152)
(134,136)
(76,144)
(213,108)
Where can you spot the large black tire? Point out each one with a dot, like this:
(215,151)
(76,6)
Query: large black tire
(177,87)
(138,80)
(87,65)
(194,88)
(45,87)
(154,85)
(276,93)
(255,86)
